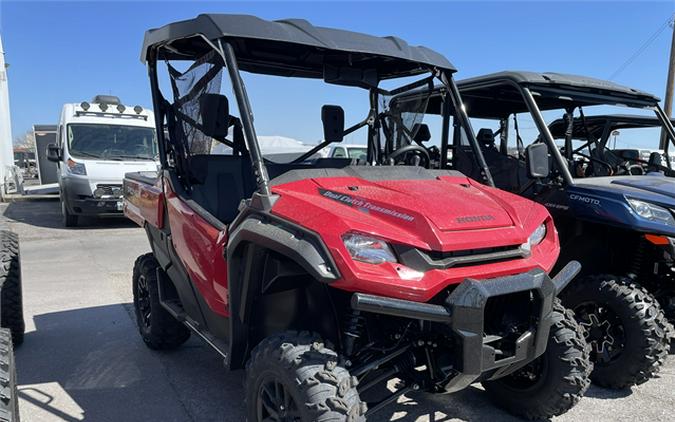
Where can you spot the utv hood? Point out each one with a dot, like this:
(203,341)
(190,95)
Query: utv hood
(660,185)
(655,188)
(436,204)
(449,203)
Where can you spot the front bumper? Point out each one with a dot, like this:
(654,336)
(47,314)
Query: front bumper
(464,311)
(93,206)
(79,197)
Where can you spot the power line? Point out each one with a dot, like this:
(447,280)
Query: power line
(643,47)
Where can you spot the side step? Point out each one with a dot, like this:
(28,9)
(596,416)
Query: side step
(177,311)
(174,307)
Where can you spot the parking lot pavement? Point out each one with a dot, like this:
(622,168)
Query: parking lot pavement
(83,360)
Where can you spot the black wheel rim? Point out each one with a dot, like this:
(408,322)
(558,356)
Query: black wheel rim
(603,331)
(275,403)
(143,294)
(529,377)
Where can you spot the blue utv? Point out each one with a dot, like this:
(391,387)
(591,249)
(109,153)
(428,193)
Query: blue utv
(620,226)
(614,214)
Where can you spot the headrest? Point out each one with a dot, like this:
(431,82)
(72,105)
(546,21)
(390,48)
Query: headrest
(485,136)
(655,159)
(421,131)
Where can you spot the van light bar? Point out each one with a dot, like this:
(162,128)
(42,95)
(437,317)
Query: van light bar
(79,113)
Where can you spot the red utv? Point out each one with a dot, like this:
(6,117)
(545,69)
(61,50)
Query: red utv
(326,277)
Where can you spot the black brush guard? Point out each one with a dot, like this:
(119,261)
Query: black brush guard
(464,312)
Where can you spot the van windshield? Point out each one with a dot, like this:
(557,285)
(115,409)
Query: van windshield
(112,142)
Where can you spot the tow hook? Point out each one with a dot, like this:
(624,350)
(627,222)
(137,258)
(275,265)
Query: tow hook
(564,276)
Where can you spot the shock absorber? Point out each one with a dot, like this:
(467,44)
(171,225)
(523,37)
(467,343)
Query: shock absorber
(354,325)
(638,258)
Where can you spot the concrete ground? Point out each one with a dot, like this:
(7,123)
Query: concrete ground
(83,359)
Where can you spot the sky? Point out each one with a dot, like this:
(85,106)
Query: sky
(62,52)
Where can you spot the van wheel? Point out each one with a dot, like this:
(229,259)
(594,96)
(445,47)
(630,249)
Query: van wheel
(624,325)
(554,382)
(158,328)
(293,376)
(69,220)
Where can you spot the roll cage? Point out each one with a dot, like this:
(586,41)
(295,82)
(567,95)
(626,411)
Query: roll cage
(601,127)
(291,48)
(501,95)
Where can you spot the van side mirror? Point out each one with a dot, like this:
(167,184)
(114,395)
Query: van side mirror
(214,110)
(53,153)
(536,156)
(333,119)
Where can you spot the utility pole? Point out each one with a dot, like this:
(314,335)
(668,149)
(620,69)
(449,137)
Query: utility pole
(668,106)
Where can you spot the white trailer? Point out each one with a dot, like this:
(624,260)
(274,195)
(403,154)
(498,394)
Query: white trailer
(9,177)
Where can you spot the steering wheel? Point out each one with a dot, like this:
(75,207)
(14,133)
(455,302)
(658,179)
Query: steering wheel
(418,150)
(609,167)
(628,168)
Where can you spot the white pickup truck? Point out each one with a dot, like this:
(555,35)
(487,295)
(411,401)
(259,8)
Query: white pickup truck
(354,151)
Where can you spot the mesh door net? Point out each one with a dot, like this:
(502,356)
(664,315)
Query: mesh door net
(185,118)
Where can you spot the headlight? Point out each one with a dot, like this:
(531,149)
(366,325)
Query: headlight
(76,168)
(538,235)
(368,249)
(651,212)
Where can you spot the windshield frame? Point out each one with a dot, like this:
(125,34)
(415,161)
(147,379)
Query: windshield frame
(83,155)
(543,127)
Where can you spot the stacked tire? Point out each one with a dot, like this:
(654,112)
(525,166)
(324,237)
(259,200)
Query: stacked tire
(11,320)
(9,403)
(11,295)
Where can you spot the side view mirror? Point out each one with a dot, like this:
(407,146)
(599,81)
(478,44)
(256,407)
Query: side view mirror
(53,153)
(536,156)
(215,113)
(333,119)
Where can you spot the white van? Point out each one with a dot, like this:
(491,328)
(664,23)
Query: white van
(97,144)
(353,151)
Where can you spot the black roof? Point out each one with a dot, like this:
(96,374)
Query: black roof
(496,95)
(292,47)
(596,124)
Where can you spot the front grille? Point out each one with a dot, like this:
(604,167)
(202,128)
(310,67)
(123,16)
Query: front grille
(507,318)
(426,260)
(438,256)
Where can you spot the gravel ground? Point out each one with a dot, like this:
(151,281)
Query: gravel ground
(83,359)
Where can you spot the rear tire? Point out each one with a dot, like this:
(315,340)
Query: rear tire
(554,382)
(158,328)
(11,297)
(9,401)
(625,327)
(295,376)
(69,220)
